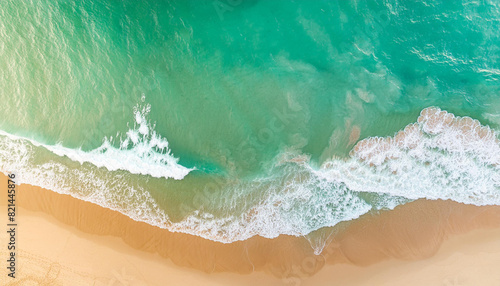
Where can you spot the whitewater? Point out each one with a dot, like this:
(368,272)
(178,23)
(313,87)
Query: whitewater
(441,156)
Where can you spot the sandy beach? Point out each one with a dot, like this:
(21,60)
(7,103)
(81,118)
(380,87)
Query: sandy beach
(65,241)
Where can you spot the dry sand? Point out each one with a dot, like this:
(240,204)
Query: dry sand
(65,241)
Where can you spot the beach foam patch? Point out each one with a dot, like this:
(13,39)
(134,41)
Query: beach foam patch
(116,191)
(441,156)
(141,151)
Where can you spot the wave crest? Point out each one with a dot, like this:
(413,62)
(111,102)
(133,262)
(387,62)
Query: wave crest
(441,156)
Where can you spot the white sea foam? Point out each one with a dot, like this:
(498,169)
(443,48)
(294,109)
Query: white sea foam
(297,205)
(107,189)
(441,156)
(142,151)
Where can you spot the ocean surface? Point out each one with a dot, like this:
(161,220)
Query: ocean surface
(230,119)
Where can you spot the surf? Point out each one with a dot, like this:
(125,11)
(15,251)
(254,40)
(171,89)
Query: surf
(440,156)
(141,150)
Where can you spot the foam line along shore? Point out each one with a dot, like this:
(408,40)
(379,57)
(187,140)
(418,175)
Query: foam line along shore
(411,232)
(441,156)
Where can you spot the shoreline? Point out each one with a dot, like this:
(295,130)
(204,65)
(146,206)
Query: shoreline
(409,234)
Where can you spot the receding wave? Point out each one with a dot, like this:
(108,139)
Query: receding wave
(441,156)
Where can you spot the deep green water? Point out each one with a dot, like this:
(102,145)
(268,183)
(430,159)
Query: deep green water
(105,96)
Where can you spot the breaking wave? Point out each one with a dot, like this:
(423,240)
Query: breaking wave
(441,156)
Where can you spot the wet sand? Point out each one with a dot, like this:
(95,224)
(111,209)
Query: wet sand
(64,240)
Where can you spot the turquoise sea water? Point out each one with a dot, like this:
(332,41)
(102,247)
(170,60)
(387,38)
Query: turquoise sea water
(229,119)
